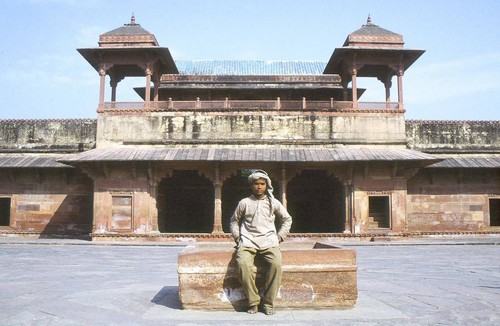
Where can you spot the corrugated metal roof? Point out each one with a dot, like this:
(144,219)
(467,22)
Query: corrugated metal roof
(492,162)
(31,161)
(249,67)
(248,154)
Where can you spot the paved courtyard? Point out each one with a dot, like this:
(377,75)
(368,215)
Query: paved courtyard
(78,283)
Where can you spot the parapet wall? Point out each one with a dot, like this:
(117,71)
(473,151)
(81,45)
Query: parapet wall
(453,136)
(71,135)
(251,128)
(47,135)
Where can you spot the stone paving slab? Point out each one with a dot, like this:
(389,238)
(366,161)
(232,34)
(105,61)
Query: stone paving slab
(57,284)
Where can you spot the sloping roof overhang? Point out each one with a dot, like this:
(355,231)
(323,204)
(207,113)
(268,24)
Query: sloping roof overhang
(286,155)
(492,162)
(104,55)
(245,154)
(386,55)
(31,161)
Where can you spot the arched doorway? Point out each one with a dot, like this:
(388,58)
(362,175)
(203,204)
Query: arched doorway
(235,189)
(185,203)
(316,202)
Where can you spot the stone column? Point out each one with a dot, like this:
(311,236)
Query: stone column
(388,84)
(354,89)
(147,99)
(113,84)
(218,202)
(345,173)
(153,209)
(345,94)
(349,208)
(156,83)
(102,73)
(400,88)
(283,183)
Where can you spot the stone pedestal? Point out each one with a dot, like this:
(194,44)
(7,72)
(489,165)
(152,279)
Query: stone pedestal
(315,275)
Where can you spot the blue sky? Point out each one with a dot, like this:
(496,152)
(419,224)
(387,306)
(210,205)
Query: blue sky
(43,76)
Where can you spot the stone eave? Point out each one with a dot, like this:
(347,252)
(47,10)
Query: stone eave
(94,56)
(407,56)
(248,154)
(31,161)
(492,162)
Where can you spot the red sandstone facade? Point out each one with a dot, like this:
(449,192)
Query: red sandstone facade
(173,165)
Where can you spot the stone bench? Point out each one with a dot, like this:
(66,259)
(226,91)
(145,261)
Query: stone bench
(315,275)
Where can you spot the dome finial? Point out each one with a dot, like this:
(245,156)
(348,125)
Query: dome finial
(132,20)
(369,20)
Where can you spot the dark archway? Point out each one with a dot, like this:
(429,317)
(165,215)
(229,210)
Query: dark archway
(235,189)
(316,202)
(5,211)
(494,212)
(185,203)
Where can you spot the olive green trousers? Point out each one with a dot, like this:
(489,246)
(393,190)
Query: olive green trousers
(245,257)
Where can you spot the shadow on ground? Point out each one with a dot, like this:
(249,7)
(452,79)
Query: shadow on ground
(168,297)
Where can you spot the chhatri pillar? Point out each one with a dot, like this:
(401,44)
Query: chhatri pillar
(102,76)
(156,85)
(354,73)
(147,97)
(400,88)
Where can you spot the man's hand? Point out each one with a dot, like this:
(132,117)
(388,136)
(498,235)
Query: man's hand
(237,240)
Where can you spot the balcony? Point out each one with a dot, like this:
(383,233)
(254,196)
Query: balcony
(253,105)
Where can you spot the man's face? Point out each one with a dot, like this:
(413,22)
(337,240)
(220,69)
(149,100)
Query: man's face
(259,187)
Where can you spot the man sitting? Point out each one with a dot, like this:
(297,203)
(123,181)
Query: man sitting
(252,227)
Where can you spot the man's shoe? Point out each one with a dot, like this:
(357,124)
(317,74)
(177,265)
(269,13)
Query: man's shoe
(252,310)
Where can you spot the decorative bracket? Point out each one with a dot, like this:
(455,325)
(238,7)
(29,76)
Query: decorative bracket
(12,175)
(39,175)
(106,170)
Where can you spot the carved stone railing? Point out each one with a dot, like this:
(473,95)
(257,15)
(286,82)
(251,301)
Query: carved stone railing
(238,105)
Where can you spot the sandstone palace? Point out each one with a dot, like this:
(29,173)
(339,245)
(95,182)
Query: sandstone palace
(174,165)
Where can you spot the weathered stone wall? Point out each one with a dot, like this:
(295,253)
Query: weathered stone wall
(50,135)
(72,135)
(450,199)
(453,136)
(133,210)
(378,181)
(48,200)
(251,127)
